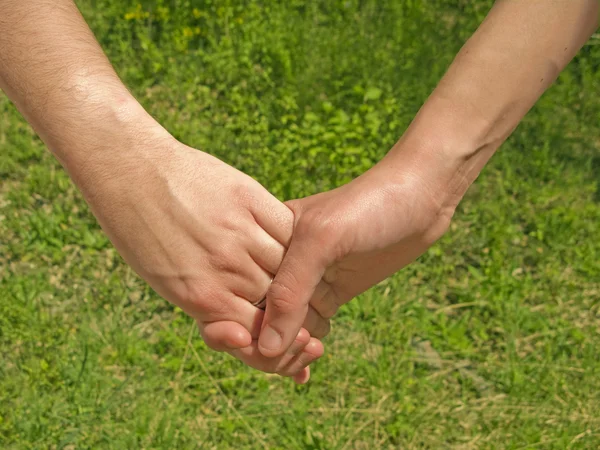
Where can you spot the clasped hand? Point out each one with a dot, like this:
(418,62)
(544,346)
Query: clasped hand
(210,239)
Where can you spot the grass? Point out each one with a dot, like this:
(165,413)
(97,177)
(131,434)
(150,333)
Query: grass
(488,341)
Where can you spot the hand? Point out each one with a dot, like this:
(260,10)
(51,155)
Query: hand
(207,238)
(347,240)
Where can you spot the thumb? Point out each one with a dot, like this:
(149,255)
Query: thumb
(289,295)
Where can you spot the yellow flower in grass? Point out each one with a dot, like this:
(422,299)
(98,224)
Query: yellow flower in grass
(197,13)
(191,32)
(137,14)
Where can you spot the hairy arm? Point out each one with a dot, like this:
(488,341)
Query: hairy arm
(53,69)
(152,195)
(351,238)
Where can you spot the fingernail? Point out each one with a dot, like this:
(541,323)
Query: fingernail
(269,339)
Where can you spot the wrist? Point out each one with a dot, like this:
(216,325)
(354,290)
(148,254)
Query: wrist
(440,162)
(111,134)
(85,116)
(445,150)
(453,132)
(125,167)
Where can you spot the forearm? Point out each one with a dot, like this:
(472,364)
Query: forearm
(53,69)
(502,70)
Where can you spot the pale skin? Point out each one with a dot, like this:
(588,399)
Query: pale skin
(344,241)
(152,195)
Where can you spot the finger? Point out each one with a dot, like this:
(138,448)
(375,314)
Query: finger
(288,297)
(265,250)
(275,218)
(315,324)
(225,335)
(225,330)
(313,351)
(250,282)
(233,309)
(303,376)
(324,300)
(295,349)
(252,357)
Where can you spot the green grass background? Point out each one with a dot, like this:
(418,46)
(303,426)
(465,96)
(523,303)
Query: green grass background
(490,340)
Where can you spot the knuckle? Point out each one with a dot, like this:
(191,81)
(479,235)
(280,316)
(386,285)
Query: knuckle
(320,230)
(193,296)
(327,227)
(197,293)
(244,193)
(316,223)
(226,259)
(229,223)
(234,221)
(281,298)
(182,293)
(218,308)
(208,302)
(220,262)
